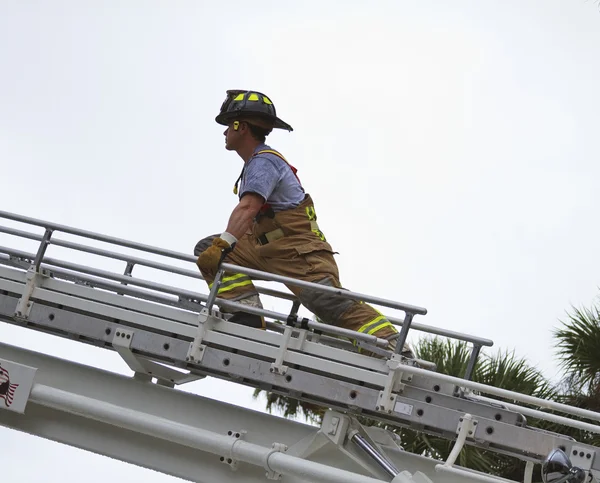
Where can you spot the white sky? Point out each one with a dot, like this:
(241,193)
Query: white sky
(451,148)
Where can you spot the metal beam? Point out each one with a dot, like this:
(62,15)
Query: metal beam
(170,431)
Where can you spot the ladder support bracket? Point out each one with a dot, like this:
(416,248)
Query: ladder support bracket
(275,448)
(206,322)
(277,367)
(467,426)
(33,280)
(387,399)
(145,369)
(122,343)
(229,458)
(335,426)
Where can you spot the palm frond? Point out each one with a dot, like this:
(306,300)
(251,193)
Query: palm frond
(506,371)
(578,345)
(450,357)
(291,408)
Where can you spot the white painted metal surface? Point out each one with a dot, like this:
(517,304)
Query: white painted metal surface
(178,433)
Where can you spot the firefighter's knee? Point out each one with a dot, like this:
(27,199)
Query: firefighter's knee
(326,306)
(204,244)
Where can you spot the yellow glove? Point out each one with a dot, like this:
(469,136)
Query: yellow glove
(209,259)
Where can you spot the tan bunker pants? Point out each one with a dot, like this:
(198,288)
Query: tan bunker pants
(290,244)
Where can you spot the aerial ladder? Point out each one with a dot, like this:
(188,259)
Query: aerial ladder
(170,335)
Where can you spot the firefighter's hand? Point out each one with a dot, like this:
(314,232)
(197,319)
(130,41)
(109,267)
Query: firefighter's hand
(210,258)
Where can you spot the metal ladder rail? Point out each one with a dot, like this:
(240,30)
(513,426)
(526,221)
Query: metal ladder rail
(131,260)
(527,438)
(50,267)
(191,300)
(129,280)
(182,301)
(189,318)
(46,240)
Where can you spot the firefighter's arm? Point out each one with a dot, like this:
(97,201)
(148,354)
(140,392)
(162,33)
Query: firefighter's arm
(239,223)
(242,216)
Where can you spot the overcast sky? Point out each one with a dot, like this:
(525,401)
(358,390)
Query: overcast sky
(451,149)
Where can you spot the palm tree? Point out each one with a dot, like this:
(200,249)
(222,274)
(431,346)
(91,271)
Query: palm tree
(502,369)
(578,350)
(579,347)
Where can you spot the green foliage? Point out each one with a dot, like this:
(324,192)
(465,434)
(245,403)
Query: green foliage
(451,357)
(578,350)
(578,344)
(292,408)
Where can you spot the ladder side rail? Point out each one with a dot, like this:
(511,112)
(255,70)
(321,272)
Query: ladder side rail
(188,294)
(131,259)
(554,418)
(410,310)
(195,296)
(225,303)
(496,391)
(160,266)
(221,302)
(323,288)
(151,334)
(161,300)
(104,253)
(197,275)
(266,291)
(96,236)
(136,293)
(50,263)
(430,329)
(189,258)
(102,283)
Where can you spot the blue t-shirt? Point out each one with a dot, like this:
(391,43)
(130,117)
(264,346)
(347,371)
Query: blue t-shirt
(272,178)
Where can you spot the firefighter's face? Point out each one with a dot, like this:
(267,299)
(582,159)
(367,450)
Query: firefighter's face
(234,135)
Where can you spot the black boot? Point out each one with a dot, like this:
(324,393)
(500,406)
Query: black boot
(249,320)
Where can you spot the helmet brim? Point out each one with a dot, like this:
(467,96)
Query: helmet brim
(225,118)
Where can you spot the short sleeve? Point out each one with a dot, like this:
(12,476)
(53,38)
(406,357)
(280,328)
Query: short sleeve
(261,177)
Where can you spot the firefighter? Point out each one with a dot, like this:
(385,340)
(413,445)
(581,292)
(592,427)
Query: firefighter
(274,227)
